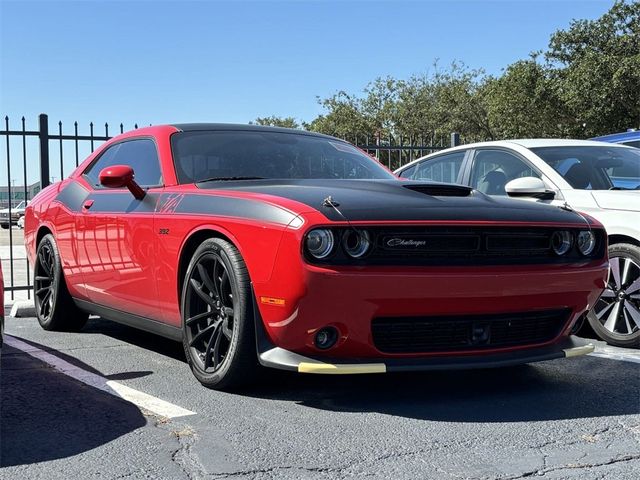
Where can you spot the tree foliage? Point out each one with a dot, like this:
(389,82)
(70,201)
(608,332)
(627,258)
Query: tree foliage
(273,121)
(587,83)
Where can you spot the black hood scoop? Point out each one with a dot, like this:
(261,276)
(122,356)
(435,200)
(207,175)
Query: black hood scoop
(441,190)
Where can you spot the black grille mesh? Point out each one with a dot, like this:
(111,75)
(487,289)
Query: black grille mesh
(459,333)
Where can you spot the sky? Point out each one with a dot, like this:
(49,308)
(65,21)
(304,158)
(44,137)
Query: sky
(154,62)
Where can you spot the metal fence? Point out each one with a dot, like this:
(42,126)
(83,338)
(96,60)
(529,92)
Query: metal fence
(38,153)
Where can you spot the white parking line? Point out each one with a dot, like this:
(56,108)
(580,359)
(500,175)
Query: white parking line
(140,399)
(616,353)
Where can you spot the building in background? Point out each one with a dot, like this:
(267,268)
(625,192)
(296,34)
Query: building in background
(17,194)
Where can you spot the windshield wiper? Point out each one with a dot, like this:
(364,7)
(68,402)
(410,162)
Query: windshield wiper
(620,188)
(217,179)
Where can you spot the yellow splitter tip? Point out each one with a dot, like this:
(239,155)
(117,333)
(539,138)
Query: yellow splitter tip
(341,369)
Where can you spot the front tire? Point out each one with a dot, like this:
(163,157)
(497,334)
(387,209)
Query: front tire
(615,317)
(217,317)
(55,309)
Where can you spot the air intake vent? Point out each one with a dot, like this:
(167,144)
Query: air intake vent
(441,190)
(466,332)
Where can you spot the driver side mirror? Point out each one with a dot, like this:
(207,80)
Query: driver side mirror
(118,176)
(529,187)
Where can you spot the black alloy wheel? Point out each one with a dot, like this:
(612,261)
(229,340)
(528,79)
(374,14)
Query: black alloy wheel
(55,308)
(218,332)
(616,315)
(44,281)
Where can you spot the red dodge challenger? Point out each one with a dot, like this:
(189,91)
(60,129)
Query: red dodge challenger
(287,249)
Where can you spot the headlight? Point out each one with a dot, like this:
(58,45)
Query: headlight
(319,242)
(561,242)
(356,242)
(586,241)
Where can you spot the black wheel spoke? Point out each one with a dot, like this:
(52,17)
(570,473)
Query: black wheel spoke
(208,282)
(216,280)
(43,289)
(227,330)
(44,303)
(197,287)
(201,334)
(40,278)
(43,262)
(216,351)
(208,360)
(200,316)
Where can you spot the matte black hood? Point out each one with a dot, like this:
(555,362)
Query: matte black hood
(383,200)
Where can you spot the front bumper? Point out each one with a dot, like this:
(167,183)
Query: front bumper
(350,299)
(280,358)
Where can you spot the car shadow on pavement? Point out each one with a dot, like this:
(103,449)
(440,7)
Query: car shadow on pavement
(45,415)
(554,390)
(557,390)
(134,336)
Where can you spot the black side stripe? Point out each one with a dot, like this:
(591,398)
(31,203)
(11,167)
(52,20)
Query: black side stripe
(74,195)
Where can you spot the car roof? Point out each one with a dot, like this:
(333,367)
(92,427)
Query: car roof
(619,137)
(195,127)
(523,142)
(556,142)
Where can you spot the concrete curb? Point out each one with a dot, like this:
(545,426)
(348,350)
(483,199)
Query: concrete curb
(23,308)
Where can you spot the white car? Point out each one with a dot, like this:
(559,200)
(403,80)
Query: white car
(597,178)
(16,213)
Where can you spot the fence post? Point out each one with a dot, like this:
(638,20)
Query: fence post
(44,150)
(455,139)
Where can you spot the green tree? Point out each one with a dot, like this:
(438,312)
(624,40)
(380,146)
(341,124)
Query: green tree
(596,71)
(273,121)
(522,103)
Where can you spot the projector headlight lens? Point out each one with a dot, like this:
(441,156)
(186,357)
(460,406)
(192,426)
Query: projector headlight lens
(319,242)
(586,242)
(561,242)
(356,242)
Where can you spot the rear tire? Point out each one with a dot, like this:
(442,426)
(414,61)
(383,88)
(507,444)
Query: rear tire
(615,317)
(55,309)
(217,317)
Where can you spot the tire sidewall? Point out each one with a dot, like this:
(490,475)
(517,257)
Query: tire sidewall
(621,250)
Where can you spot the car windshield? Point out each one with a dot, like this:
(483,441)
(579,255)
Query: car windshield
(21,205)
(230,155)
(594,167)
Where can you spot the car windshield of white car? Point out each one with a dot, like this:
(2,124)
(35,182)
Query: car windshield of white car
(594,167)
(245,155)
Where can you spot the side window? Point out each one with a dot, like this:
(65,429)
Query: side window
(493,169)
(444,168)
(141,155)
(408,173)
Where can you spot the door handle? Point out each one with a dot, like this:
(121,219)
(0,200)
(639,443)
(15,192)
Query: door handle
(87,204)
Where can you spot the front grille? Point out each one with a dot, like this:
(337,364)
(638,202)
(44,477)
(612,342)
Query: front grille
(468,332)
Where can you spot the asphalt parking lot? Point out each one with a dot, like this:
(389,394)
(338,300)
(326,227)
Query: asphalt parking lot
(61,417)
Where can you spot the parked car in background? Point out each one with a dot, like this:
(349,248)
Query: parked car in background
(596,178)
(630,138)
(293,250)
(1,307)
(16,213)
(21,222)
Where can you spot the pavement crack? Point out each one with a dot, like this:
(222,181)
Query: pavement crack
(183,456)
(572,466)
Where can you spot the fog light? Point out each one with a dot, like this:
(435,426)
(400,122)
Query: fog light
(326,338)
